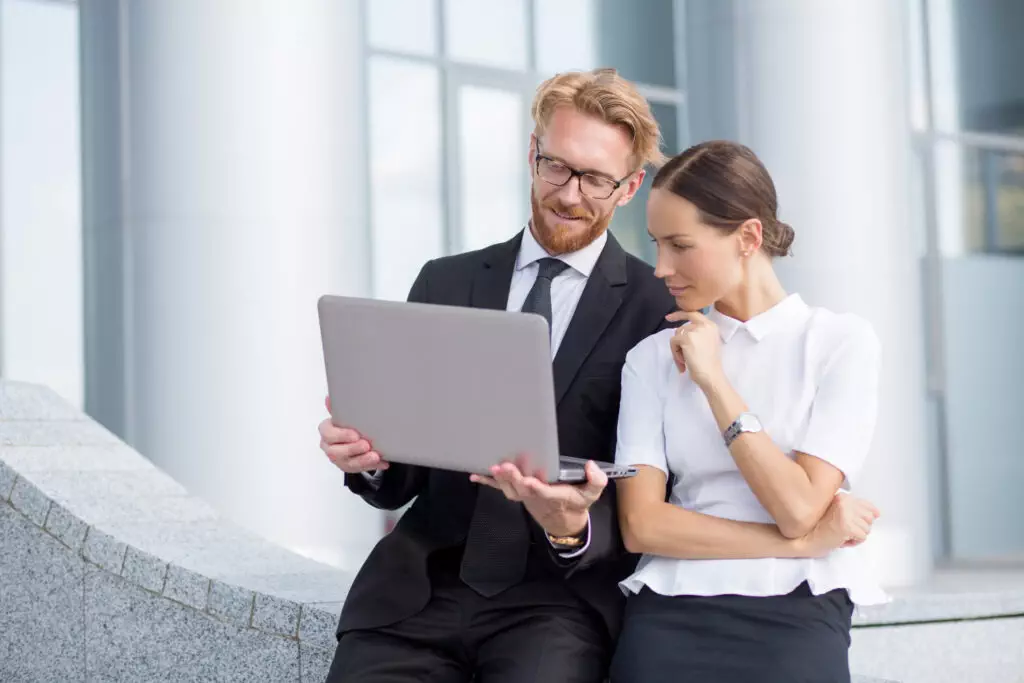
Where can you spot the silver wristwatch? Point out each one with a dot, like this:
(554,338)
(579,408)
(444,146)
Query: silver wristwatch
(746,422)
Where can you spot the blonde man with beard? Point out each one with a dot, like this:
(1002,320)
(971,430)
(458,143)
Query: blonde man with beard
(509,579)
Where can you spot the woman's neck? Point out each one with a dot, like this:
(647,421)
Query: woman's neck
(759,291)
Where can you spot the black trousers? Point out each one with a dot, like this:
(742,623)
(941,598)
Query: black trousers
(795,638)
(534,632)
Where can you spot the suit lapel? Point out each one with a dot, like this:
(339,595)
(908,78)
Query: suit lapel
(601,298)
(491,284)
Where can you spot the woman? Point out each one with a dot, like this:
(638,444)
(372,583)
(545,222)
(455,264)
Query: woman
(761,411)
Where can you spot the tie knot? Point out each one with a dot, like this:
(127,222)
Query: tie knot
(550,267)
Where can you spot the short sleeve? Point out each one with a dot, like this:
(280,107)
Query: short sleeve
(640,439)
(845,407)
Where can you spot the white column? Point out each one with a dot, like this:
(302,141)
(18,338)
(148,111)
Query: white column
(820,94)
(244,201)
(40,197)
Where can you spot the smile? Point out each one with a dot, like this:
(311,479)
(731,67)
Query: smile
(566,217)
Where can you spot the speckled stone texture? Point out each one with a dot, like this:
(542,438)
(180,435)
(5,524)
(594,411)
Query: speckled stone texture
(42,624)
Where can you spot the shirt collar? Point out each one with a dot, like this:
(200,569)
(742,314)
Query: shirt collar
(779,316)
(582,261)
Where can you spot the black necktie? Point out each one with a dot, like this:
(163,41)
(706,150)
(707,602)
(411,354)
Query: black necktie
(498,542)
(539,298)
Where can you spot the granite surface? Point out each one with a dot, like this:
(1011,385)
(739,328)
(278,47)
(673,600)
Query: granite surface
(113,572)
(946,652)
(42,625)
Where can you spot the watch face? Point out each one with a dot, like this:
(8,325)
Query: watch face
(749,423)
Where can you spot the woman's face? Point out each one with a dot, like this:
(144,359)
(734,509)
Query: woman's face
(700,264)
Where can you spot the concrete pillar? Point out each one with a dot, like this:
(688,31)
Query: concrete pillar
(239,144)
(818,90)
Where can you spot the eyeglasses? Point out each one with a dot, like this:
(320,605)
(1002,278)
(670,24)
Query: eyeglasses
(558,174)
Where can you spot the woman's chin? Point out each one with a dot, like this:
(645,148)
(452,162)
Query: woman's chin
(686,301)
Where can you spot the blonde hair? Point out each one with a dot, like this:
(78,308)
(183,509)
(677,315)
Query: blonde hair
(608,96)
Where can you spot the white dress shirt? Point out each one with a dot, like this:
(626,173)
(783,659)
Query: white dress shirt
(566,290)
(566,287)
(811,377)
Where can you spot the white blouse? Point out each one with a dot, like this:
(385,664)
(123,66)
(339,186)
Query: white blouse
(811,377)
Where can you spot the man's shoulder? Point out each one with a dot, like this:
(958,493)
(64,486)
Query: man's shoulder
(646,287)
(467,261)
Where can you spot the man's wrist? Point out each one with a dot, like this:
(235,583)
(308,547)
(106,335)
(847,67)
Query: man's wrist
(569,528)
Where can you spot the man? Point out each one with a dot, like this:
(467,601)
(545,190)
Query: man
(509,579)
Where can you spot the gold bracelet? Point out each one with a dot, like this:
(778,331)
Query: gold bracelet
(566,541)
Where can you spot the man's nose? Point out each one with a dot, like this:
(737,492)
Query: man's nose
(570,193)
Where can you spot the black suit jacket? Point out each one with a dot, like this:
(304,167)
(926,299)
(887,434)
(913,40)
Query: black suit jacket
(622,303)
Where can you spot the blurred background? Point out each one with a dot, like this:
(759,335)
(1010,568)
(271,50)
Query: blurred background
(180,180)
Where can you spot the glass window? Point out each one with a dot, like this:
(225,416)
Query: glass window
(992,196)
(638,39)
(1003,175)
(405,172)
(630,223)
(487,33)
(559,49)
(990,52)
(493,166)
(403,25)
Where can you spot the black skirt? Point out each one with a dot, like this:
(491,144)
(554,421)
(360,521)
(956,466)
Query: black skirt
(793,638)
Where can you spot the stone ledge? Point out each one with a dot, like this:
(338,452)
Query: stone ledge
(114,510)
(929,607)
(128,524)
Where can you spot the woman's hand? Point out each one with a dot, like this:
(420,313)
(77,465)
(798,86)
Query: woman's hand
(697,347)
(846,523)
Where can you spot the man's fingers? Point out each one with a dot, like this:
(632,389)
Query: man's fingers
(333,434)
(597,480)
(342,451)
(327,402)
(363,463)
(485,481)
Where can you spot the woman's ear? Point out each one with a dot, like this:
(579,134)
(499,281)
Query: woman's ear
(751,236)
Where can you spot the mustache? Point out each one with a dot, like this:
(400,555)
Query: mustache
(573,211)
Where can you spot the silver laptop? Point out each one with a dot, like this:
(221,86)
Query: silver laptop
(444,386)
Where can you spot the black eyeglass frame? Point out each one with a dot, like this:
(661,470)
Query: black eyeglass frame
(574,173)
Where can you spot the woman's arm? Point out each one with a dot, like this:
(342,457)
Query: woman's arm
(650,525)
(798,491)
(795,492)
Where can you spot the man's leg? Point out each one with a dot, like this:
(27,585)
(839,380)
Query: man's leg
(379,657)
(545,643)
(427,647)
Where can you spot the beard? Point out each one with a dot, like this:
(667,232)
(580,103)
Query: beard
(564,237)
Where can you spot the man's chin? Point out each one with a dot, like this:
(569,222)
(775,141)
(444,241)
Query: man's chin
(564,237)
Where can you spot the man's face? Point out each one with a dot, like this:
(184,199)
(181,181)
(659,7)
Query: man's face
(571,215)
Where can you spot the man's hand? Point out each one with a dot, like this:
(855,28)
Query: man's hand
(560,509)
(347,448)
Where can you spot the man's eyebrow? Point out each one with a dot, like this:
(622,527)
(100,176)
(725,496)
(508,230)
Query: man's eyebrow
(591,171)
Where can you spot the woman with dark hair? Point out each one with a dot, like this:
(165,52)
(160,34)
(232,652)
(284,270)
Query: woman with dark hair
(760,413)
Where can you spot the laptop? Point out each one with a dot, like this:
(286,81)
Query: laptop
(448,387)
